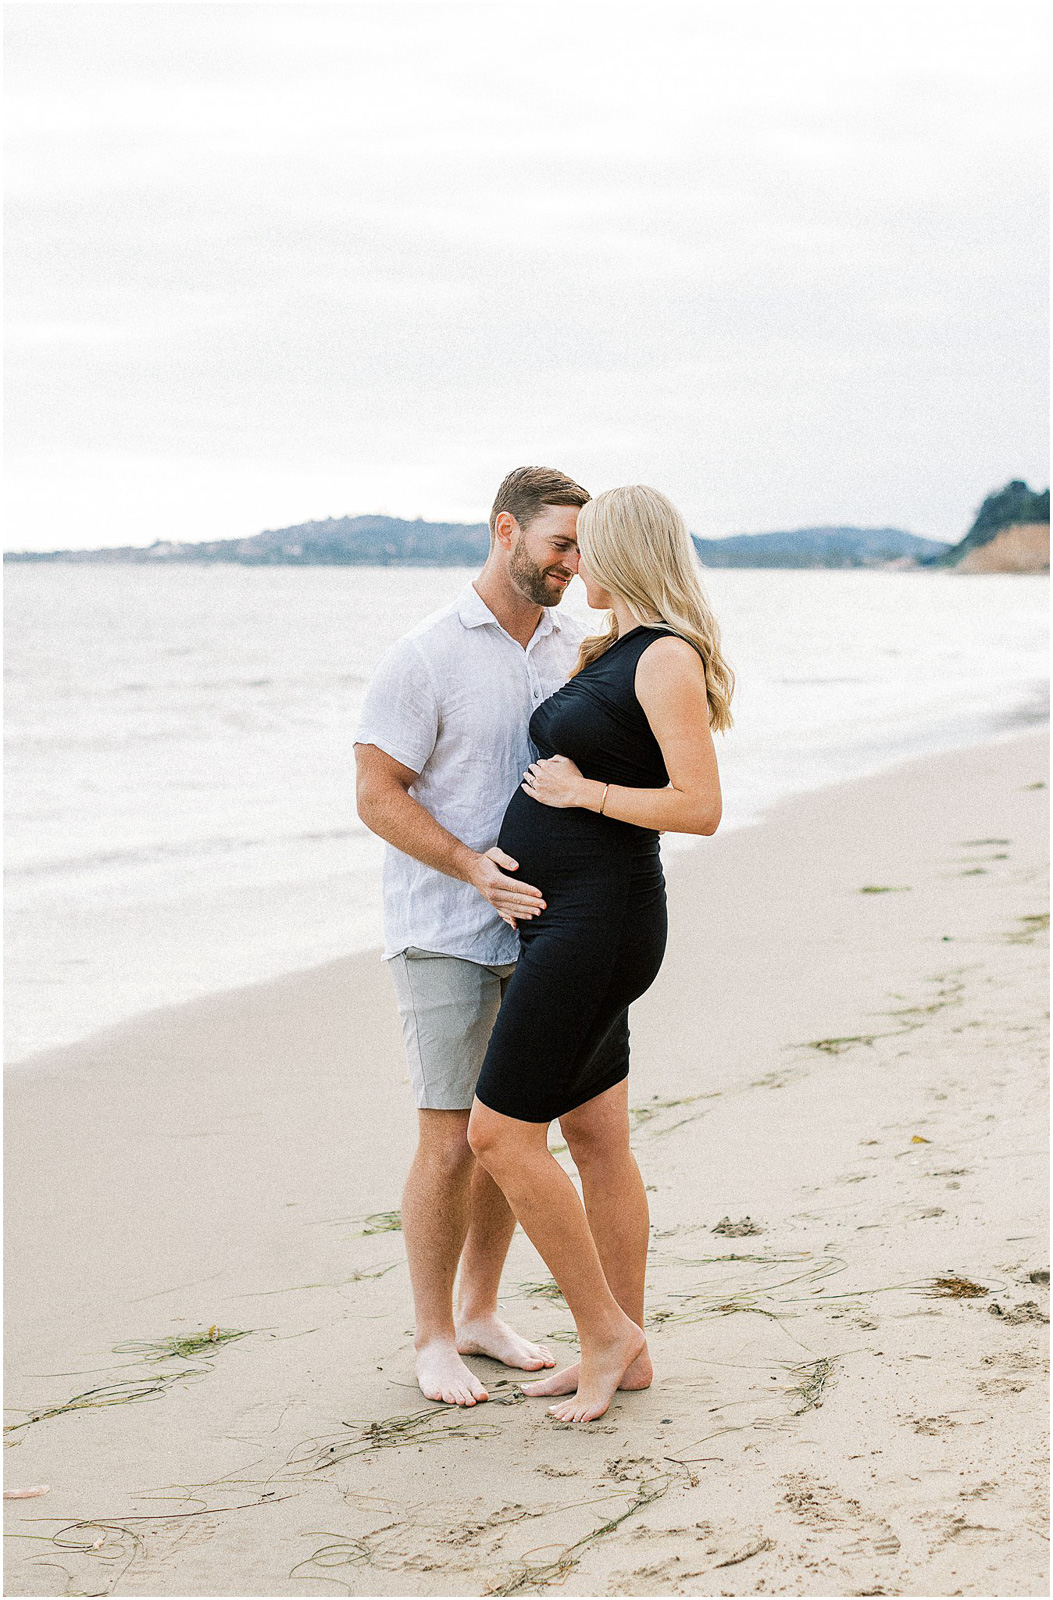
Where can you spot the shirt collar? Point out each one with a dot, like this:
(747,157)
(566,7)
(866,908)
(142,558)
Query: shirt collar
(475,613)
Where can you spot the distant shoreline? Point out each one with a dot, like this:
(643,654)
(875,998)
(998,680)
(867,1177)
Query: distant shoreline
(378,541)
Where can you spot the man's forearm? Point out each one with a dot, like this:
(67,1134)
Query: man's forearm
(405,823)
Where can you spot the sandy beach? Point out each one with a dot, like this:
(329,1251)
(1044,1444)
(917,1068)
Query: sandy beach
(846,1047)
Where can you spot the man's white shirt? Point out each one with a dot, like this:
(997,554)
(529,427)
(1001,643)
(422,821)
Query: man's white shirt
(452,700)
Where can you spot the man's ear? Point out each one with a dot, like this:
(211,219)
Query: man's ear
(505,527)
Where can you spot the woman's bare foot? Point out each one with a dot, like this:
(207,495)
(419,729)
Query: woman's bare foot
(638,1375)
(490,1336)
(601,1371)
(442,1375)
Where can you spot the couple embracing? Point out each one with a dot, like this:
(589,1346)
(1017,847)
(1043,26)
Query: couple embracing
(521,775)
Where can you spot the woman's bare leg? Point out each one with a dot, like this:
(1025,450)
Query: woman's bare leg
(546,1203)
(597,1135)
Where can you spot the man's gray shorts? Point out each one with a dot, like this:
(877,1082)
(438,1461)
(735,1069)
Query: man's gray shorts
(448,1008)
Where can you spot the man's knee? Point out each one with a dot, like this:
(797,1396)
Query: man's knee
(442,1143)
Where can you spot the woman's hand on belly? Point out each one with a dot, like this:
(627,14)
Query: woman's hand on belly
(556,781)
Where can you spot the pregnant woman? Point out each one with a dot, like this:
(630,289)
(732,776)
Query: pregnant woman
(625,753)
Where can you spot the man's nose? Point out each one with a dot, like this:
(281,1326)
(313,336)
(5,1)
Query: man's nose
(571,559)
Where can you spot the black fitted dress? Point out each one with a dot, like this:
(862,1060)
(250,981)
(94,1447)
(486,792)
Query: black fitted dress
(562,1033)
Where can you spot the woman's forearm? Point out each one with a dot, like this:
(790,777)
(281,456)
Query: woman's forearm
(669,810)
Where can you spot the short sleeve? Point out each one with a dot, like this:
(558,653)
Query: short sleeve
(401,714)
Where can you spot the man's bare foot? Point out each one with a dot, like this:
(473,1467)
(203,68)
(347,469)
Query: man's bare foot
(638,1375)
(602,1370)
(442,1375)
(489,1336)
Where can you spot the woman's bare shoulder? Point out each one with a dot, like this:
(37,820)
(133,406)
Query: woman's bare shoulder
(669,658)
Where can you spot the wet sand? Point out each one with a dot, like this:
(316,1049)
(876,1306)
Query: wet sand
(846,1046)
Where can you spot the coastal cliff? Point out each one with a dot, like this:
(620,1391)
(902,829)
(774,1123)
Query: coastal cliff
(1010,534)
(1024,547)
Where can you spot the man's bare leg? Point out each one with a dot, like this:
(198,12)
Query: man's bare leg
(437,1219)
(480,1331)
(597,1135)
(435,1214)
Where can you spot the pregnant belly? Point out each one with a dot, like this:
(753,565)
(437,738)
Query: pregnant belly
(559,848)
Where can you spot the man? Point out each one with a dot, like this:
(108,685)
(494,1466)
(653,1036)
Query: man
(441,747)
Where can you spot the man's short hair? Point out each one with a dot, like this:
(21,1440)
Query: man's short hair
(527,490)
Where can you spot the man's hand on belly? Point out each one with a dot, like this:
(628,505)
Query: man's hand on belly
(513,901)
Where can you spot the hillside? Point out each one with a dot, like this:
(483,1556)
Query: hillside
(819,547)
(1009,534)
(391,541)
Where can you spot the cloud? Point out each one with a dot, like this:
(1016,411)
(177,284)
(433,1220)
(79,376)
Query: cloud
(784,259)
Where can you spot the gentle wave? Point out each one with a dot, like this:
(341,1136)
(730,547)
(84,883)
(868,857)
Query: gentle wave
(180,767)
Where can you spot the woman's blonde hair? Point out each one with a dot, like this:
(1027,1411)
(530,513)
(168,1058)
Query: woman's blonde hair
(636,544)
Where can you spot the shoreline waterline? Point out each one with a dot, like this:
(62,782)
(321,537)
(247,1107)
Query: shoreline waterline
(675,850)
(180,777)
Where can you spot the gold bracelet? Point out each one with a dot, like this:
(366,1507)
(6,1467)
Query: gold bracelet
(603,802)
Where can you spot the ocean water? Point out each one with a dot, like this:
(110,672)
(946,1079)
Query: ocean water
(180,776)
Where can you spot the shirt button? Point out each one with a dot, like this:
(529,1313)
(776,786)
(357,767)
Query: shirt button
(537,694)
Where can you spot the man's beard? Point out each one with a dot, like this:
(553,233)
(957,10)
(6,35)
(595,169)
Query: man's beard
(532,580)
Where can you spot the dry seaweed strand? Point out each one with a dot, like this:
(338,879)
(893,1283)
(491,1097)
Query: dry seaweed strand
(347,1550)
(184,1346)
(131,1390)
(815,1376)
(812,1379)
(109,1394)
(74,1536)
(648,1490)
(430,1425)
(380,1222)
(358,1276)
(955,1288)
(546,1289)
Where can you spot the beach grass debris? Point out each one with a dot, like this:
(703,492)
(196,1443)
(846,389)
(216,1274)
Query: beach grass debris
(183,1346)
(1029,929)
(847,1041)
(640,1116)
(918,1138)
(360,1275)
(953,1287)
(432,1424)
(885,888)
(341,1551)
(736,1230)
(379,1222)
(529,1576)
(110,1394)
(813,1378)
(28,1494)
(545,1289)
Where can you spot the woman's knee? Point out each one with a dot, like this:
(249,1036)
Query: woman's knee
(485,1136)
(497,1142)
(598,1144)
(598,1131)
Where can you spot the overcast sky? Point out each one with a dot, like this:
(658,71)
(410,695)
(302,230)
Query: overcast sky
(786,261)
